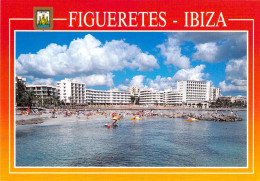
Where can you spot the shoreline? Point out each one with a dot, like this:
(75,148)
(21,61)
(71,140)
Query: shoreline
(99,113)
(104,108)
(162,108)
(31,121)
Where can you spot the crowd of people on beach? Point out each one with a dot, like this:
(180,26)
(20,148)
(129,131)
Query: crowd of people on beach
(114,116)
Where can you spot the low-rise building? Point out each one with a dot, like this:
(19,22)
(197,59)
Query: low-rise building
(44,92)
(151,97)
(107,97)
(225,98)
(239,98)
(97,97)
(120,97)
(173,97)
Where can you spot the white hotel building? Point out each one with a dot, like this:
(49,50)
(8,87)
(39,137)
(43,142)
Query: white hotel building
(173,97)
(214,93)
(43,92)
(109,97)
(194,92)
(151,96)
(72,91)
(188,92)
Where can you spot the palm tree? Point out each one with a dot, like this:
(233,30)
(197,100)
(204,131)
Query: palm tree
(55,100)
(62,102)
(38,101)
(226,103)
(199,105)
(219,103)
(132,99)
(28,98)
(20,91)
(137,101)
(47,102)
(212,104)
(51,100)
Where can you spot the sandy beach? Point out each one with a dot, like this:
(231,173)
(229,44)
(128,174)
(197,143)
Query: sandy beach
(63,115)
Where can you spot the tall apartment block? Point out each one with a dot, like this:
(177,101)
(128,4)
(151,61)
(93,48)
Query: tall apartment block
(214,93)
(72,91)
(194,92)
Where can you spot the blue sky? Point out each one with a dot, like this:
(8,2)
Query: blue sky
(145,59)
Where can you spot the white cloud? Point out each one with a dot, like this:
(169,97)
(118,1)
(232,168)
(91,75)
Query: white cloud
(138,81)
(195,73)
(39,81)
(236,76)
(214,46)
(172,51)
(206,52)
(162,83)
(224,87)
(144,62)
(183,74)
(84,56)
(90,81)
(122,87)
(236,69)
(97,80)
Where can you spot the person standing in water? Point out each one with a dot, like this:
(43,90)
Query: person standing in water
(114,118)
(108,125)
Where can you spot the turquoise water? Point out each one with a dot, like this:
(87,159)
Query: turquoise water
(43,25)
(157,142)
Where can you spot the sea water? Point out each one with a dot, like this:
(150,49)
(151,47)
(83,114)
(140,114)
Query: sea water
(154,142)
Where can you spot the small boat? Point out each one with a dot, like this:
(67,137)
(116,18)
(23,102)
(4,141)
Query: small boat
(191,119)
(136,118)
(115,118)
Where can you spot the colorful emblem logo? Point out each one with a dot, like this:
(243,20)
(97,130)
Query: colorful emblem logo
(43,18)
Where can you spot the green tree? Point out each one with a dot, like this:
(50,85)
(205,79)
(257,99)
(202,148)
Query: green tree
(212,104)
(137,101)
(62,102)
(219,103)
(20,91)
(132,99)
(56,100)
(38,101)
(28,99)
(199,105)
